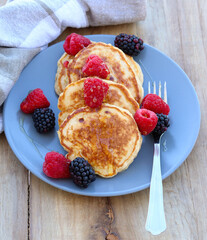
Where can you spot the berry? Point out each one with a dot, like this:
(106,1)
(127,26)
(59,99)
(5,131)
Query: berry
(95,66)
(162,125)
(146,120)
(74,43)
(56,165)
(35,99)
(82,172)
(65,64)
(95,90)
(44,119)
(129,44)
(155,103)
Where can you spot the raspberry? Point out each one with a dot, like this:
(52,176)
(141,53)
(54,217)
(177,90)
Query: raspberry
(146,120)
(56,165)
(162,125)
(95,90)
(65,64)
(95,66)
(129,44)
(74,43)
(35,99)
(155,103)
(82,172)
(44,119)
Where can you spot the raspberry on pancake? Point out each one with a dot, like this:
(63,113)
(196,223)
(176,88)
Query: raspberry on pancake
(95,66)
(95,90)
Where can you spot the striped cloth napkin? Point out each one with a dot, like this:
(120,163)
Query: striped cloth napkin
(26,27)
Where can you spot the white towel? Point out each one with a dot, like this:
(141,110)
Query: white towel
(26,27)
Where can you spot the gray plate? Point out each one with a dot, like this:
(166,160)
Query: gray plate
(177,142)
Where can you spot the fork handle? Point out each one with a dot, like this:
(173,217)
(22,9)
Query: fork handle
(156,216)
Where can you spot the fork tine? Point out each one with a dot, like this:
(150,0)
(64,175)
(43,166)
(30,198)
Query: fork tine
(149,90)
(159,89)
(160,86)
(154,86)
(165,92)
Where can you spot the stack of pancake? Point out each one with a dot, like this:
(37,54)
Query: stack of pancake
(108,136)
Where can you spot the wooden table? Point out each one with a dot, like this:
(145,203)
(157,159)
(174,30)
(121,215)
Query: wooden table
(36,210)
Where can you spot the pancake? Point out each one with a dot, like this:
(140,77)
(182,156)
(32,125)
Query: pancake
(63,74)
(117,62)
(123,68)
(61,78)
(108,138)
(72,98)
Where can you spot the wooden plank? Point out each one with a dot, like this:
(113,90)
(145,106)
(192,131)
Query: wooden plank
(13,187)
(59,215)
(13,197)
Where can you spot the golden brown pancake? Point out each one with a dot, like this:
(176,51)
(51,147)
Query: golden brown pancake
(62,76)
(72,98)
(117,62)
(122,68)
(108,138)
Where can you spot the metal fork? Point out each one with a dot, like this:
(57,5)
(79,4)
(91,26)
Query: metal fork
(156,223)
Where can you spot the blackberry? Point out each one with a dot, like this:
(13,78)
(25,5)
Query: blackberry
(44,119)
(129,44)
(162,124)
(81,172)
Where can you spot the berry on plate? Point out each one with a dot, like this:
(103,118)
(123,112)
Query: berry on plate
(74,43)
(56,165)
(162,125)
(95,66)
(95,90)
(129,44)
(44,119)
(155,103)
(35,99)
(65,64)
(82,172)
(146,121)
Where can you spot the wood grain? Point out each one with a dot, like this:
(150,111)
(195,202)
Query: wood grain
(179,29)
(13,197)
